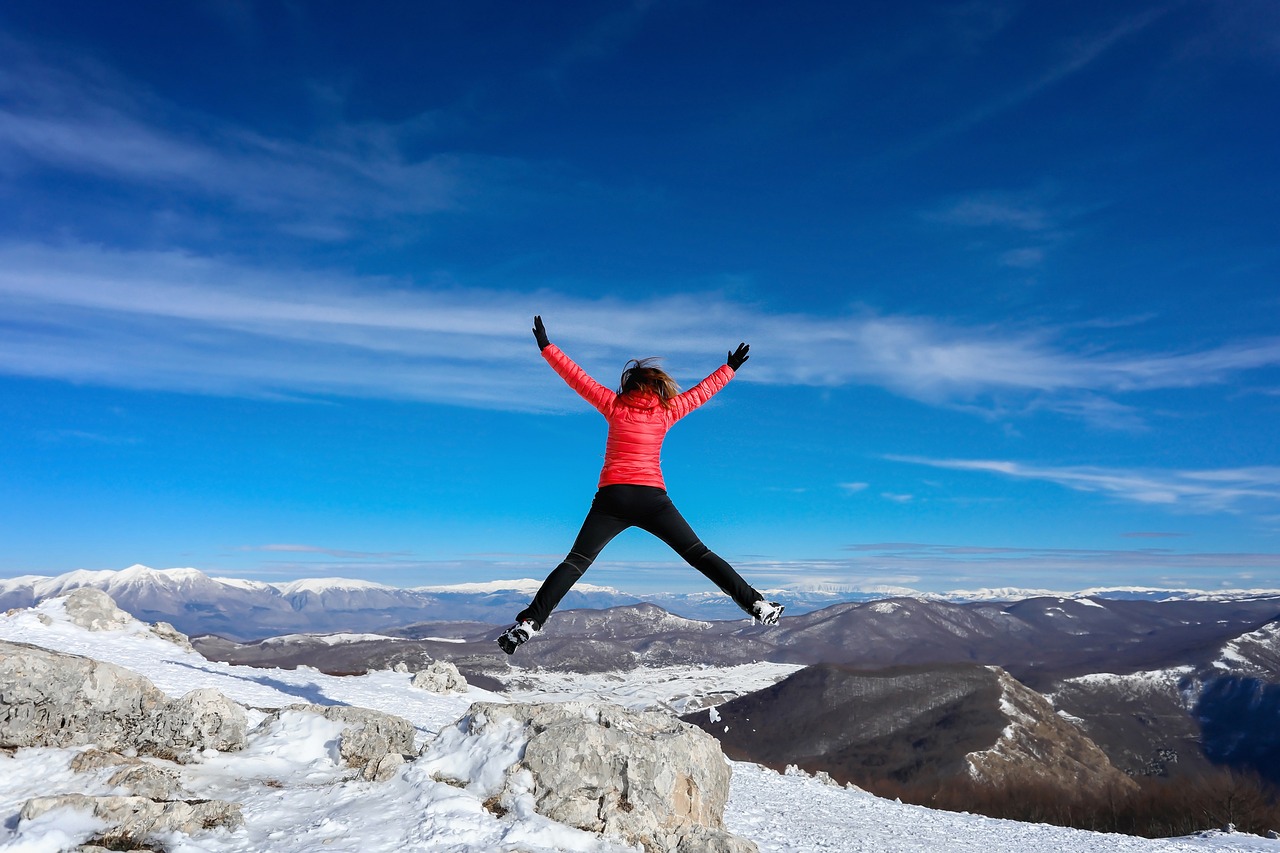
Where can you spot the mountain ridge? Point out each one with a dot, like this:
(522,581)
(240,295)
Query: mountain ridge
(242,609)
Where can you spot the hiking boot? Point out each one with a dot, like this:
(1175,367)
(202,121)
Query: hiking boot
(767,612)
(516,636)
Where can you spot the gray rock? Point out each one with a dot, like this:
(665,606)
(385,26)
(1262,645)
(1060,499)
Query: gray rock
(643,777)
(131,820)
(133,774)
(383,769)
(440,677)
(53,699)
(201,719)
(49,698)
(95,759)
(367,735)
(147,780)
(94,610)
(165,631)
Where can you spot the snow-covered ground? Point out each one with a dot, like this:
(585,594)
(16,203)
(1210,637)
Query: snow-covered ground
(296,796)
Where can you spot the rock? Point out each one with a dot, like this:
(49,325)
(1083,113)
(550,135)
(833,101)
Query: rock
(643,777)
(367,736)
(49,698)
(384,768)
(130,820)
(202,719)
(440,677)
(94,610)
(133,774)
(146,780)
(95,759)
(165,631)
(400,667)
(53,699)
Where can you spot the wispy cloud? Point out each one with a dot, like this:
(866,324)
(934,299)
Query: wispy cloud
(324,552)
(80,118)
(1220,490)
(927,567)
(177,321)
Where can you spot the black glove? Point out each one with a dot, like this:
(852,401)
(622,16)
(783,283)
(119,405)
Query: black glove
(738,356)
(540,333)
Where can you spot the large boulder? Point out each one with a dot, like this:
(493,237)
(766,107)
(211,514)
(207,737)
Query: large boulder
(94,610)
(50,698)
(132,820)
(440,676)
(367,736)
(643,777)
(201,719)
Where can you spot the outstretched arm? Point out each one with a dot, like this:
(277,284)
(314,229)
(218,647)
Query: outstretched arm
(686,402)
(588,389)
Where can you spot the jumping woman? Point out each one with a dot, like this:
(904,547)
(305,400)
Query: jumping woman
(631,490)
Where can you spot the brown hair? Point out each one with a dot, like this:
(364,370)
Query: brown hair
(642,374)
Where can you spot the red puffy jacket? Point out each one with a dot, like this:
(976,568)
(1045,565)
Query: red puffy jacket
(638,422)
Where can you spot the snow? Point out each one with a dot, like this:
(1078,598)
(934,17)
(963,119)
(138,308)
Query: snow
(334,639)
(138,575)
(678,689)
(885,607)
(522,585)
(296,796)
(323,585)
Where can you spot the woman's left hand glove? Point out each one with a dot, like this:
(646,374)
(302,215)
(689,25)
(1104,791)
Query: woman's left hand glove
(540,332)
(738,356)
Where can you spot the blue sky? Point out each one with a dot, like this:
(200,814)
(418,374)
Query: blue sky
(1009,272)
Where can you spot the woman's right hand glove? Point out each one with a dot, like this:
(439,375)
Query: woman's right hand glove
(540,332)
(737,357)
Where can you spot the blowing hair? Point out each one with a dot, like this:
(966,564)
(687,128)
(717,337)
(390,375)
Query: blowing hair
(643,374)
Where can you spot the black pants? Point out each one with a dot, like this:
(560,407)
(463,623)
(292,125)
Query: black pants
(614,509)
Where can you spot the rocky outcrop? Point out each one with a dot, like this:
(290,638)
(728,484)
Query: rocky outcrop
(384,768)
(94,610)
(1039,745)
(200,719)
(132,820)
(642,777)
(908,723)
(49,698)
(367,736)
(134,775)
(165,631)
(440,677)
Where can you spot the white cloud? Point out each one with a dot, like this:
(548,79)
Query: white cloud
(178,321)
(75,116)
(1218,490)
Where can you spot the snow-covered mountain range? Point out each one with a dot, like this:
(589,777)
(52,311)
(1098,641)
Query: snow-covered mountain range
(197,603)
(295,794)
